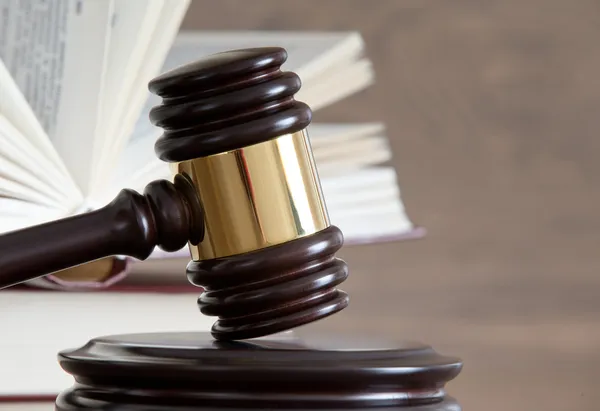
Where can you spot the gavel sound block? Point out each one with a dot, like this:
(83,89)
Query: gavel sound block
(246,198)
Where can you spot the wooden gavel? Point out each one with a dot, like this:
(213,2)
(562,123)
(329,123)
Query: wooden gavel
(245,197)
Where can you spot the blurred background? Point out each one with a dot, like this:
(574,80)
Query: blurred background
(492,112)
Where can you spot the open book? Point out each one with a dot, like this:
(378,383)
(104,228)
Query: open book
(74,103)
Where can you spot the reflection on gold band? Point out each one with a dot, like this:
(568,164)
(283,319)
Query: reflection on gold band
(257,196)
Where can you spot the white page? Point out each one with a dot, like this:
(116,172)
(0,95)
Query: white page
(12,207)
(17,214)
(367,203)
(20,159)
(55,51)
(367,229)
(340,145)
(362,199)
(362,179)
(34,32)
(353,150)
(19,181)
(337,85)
(87,37)
(29,364)
(16,189)
(133,24)
(340,156)
(15,110)
(324,132)
(161,40)
(362,188)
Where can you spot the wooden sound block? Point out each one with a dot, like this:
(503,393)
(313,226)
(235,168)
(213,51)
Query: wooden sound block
(193,371)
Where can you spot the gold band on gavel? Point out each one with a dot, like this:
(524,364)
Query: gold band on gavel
(257,196)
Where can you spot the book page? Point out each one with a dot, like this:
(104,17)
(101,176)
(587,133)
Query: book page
(29,364)
(16,111)
(55,51)
(17,214)
(133,23)
(18,182)
(88,33)
(352,155)
(337,84)
(367,204)
(21,162)
(160,41)
(31,46)
(34,184)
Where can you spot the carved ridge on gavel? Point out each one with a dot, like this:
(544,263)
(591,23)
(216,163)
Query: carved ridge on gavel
(245,196)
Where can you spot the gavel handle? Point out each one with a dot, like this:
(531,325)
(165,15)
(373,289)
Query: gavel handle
(167,215)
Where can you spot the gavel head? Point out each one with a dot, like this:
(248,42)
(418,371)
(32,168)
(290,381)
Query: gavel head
(265,251)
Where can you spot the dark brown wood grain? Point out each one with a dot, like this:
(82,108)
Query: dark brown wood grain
(275,289)
(192,371)
(226,101)
(166,215)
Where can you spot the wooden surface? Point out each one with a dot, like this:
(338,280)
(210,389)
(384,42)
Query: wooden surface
(492,108)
